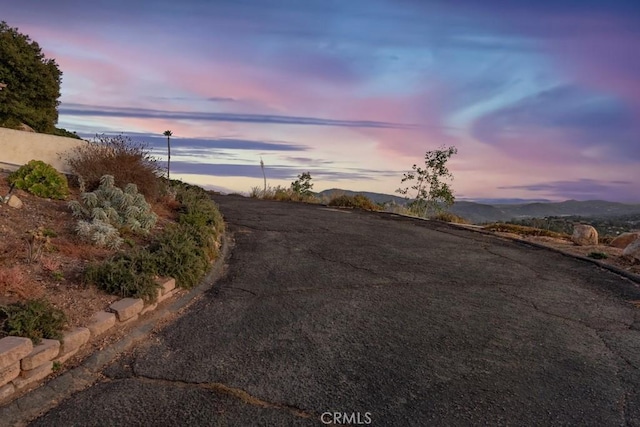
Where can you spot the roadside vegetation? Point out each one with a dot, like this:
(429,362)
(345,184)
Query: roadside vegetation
(430,194)
(300,190)
(525,230)
(449,217)
(35,319)
(607,227)
(358,201)
(116,212)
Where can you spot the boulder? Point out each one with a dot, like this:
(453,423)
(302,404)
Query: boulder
(14,202)
(633,250)
(624,240)
(584,235)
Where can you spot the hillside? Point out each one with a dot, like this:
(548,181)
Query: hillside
(482,212)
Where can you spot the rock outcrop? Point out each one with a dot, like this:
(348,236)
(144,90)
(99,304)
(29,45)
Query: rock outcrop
(14,202)
(633,250)
(624,240)
(584,235)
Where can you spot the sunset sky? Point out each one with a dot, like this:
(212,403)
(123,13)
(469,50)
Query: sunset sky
(541,98)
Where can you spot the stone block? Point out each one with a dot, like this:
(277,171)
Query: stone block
(167,284)
(130,320)
(149,308)
(9,373)
(15,202)
(12,349)
(32,376)
(44,352)
(101,322)
(74,339)
(63,358)
(168,295)
(633,250)
(6,391)
(127,308)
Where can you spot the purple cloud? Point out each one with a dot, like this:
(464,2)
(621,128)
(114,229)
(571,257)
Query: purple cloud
(147,113)
(567,117)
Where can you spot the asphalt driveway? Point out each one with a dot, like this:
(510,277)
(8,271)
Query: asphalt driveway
(371,319)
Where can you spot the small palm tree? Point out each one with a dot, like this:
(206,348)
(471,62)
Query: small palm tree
(265,177)
(168,134)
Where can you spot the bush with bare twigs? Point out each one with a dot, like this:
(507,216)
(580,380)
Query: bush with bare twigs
(127,161)
(13,281)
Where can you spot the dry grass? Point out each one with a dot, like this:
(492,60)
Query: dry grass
(50,264)
(524,230)
(449,217)
(358,201)
(14,282)
(281,194)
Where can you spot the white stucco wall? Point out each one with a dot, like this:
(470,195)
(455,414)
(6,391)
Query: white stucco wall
(18,148)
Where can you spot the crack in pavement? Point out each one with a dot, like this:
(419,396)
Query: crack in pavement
(619,375)
(345,263)
(240,228)
(226,390)
(325,289)
(520,263)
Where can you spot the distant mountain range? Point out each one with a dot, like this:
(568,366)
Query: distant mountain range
(508,209)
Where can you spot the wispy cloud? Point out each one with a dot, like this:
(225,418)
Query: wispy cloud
(277,172)
(71,109)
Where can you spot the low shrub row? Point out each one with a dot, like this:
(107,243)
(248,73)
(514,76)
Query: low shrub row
(183,251)
(449,217)
(358,201)
(524,230)
(282,194)
(35,319)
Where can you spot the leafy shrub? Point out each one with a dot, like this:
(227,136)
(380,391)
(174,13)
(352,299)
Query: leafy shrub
(40,179)
(197,208)
(180,254)
(449,217)
(35,319)
(120,157)
(302,185)
(597,255)
(65,133)
(358,201)
(99,233)
(183,251)
(129,275)
(108,209)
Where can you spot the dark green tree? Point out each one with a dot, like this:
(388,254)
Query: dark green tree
(32,83)
(303,184)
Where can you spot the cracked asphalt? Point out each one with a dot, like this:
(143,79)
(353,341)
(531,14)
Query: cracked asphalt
(402,321)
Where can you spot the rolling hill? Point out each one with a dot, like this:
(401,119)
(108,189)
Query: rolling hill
(483,212)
